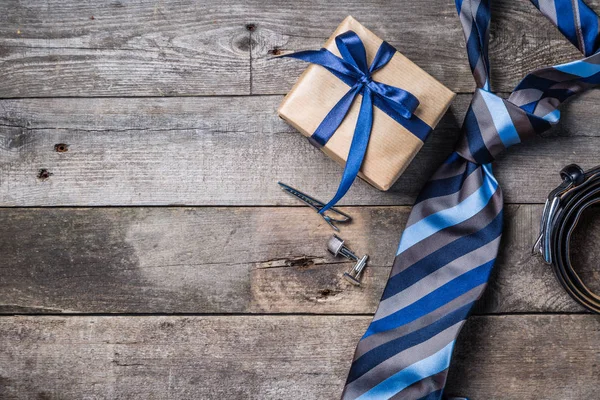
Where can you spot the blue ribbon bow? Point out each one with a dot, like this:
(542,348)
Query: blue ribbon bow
(353,70)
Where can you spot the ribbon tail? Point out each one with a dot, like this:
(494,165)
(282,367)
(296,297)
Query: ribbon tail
(358,148)
(334,118)
(339,67)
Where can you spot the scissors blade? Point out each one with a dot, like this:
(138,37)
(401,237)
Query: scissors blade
(314,203)
(317,205)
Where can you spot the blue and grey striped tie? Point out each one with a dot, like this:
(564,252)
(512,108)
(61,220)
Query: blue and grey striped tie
(451,240)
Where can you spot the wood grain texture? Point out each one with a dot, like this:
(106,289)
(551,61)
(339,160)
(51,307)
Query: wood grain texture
(67,145)
(183,47)
(239,260)
(431,36)
(267,357)
(232,151)
(123,48)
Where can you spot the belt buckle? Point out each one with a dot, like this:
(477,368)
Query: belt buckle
(573,176)
(542,244)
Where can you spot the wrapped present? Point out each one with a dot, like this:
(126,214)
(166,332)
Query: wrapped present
(365,105)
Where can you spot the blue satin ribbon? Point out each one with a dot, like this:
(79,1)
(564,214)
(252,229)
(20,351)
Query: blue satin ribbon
(353,70)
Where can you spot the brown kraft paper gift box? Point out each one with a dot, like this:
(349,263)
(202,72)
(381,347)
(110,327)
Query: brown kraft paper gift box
(391,146)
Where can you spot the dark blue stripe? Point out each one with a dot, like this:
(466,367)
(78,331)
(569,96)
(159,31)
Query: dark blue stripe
(374,357)
(482,21)
(434,300)
(475,140)
(452,158)
(473,47)
(566,21)
(560,94)
(532,81)
(594,79)
(589,26)
(539,124)
(458,5)
(446,186)
(442,256)
(476,42)
(437,395)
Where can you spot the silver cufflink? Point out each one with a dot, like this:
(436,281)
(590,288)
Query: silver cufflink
(336,247)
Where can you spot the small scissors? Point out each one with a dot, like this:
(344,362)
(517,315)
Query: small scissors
(316,205)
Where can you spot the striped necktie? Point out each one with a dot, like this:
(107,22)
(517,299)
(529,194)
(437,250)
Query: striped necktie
(451,239)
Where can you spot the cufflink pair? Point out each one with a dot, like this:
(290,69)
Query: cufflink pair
(337,248)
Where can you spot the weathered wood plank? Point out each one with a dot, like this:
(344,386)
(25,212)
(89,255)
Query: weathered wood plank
(231,151)
(123,48)
(267,357)
(427,33)
(240,260)
(183,47)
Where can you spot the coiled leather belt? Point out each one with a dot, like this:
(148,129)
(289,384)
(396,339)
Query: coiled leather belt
(564,207)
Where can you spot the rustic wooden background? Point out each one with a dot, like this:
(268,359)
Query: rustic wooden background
(147,252)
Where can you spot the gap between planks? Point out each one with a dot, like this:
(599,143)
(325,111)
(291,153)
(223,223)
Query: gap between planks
(264,260)
(180,151)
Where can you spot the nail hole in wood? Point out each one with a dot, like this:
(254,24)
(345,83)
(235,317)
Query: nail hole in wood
(61,147)
(44,174)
